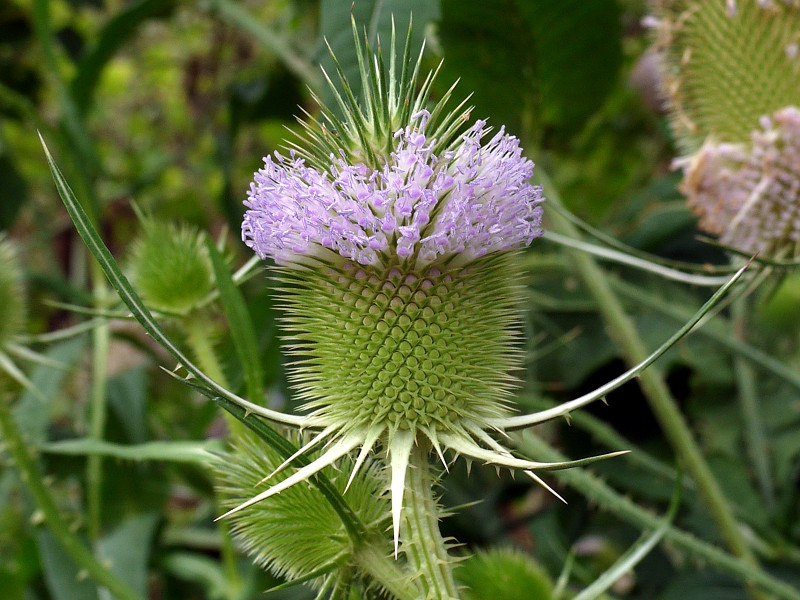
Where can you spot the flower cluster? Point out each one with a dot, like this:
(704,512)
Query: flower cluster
(750,194)
(470,200)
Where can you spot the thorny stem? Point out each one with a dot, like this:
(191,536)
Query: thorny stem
(97,405)
(753,424)
(653,385)
(423,544)
(32,478)
(623,507)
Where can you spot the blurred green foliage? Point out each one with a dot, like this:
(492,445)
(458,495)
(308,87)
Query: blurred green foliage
(171,105)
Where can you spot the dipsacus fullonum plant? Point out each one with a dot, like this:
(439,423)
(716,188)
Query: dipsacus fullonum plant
(394,227)
(732,76)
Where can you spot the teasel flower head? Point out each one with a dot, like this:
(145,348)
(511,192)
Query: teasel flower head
(726,64)
(732,77)
(394,228)
(749,194)
(170,266)
(298,535)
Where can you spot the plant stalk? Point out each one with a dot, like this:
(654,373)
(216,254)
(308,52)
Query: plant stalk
(653,385)
(753,425)
(423,543)
(199,334)
(372,559)
(32,478)
(101,337)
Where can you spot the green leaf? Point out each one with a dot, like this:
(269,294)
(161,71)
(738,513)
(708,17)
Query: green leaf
(126,398)
(126,550)
(116,32)
(555,60)
(177,451)
(234,14)
(15,191)
(242,330)
(30,412)
(133,301)
(375,18)
(487,46)
(577,44)
(198,569)
(60,573)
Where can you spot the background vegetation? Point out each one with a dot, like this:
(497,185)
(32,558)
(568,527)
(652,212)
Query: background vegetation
(164,109)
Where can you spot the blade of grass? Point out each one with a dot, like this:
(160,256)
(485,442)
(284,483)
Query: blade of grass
(634,554)
(242,330)
(639,369)
(655,389)
(234,14)
(623,507)
(172,451)
(115,33)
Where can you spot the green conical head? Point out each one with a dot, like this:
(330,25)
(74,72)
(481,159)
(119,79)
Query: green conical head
(726,64)
(298,533)
(170,266)
(427,349)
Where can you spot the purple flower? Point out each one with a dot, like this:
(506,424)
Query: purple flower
(469,200)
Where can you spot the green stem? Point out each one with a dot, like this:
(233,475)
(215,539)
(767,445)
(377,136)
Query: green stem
(97,406)
(228,553)
(372,559)
(32,478)
(423,543)
(199,334)
(653,385)
(623,507)
(752,423)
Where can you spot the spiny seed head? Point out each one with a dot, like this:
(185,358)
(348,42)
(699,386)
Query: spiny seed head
(749,194)
(12,294)
(397,347)
(296,533)
(479,575)
(170,266)
(726,64)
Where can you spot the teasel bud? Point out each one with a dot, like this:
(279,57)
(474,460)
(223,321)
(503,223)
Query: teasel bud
(732,76)
(297,535)
(170,266)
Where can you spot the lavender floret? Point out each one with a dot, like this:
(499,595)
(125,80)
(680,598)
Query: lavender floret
(470,200)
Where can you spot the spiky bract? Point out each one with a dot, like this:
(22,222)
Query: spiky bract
(299,533)
(12,294)
(726,64)
(170,266)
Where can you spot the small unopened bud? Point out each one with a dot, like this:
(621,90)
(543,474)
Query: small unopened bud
(170,267)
